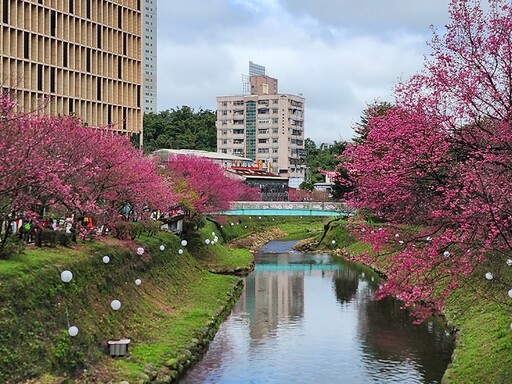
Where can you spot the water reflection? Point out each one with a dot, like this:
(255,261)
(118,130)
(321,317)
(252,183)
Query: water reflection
(307,318)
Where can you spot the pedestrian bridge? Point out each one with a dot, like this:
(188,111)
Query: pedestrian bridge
(288,208)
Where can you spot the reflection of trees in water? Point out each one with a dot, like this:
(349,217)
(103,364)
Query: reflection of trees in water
(389,339)
(345,285)
(387,333)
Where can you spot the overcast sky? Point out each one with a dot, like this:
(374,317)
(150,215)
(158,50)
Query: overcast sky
(339,54)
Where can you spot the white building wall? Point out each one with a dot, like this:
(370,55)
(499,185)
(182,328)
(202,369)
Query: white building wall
(279,131)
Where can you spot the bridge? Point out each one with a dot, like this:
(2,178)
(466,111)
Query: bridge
(288,208)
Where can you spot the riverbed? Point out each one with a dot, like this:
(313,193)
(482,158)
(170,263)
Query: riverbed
(311,318)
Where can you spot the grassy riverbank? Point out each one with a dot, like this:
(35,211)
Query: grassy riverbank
(483,351)
(169,317)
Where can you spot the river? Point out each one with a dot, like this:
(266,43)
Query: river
(310,318)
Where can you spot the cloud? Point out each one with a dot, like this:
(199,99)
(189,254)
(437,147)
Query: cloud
(340,58)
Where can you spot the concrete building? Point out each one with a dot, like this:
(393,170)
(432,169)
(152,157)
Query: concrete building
(149,57)
(265,126)
(79,57)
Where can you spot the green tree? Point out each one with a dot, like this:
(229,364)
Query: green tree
(321,158)
(377,108)
(180,128)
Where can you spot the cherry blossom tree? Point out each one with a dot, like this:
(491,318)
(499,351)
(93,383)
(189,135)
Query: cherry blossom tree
(57,162)
(203,187)
(436,168)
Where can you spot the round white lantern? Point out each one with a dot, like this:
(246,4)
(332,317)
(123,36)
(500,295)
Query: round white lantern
(140,251)
(489,276)
(207,241)
(106,259)
(397,235)
(180,251)
(446,253)
(509,262)
(184,243)
(66,276)
(115,304)
(216,239)
(162,248)
(510,292)
(232,224)
(73,331)
(333,242)
(429,238)
(401,242)
(213,234)
(138,281)
(259,217)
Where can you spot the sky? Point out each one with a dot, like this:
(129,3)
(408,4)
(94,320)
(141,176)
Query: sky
(340,55)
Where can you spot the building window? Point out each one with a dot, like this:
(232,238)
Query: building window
(26,45)
(52,79)
(40,77)
(53,23)
(125,43)
(65,54)
(88,60)
(5,18)
(98,29)
(71,6)
(98,89)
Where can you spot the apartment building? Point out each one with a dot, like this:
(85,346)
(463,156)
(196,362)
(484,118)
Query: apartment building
(80,57)
(265,126)
(149,57)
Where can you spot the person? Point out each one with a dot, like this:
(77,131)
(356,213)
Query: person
(27,232)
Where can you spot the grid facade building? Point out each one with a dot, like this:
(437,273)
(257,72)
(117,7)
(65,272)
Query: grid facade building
(82,56)
(265,126)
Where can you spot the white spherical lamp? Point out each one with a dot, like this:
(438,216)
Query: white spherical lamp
(333,242)
(73,331)
(140,251)
(213,234)
(180,251)
(489,276)
(446,253)
(162,248)
(216,239)
(138,281)
(106,259)
(115,305)
(510,293)
(66,276)
(509,262)
(207,241)
(184,243)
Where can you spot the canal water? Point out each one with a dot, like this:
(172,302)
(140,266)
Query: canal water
(311,318)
